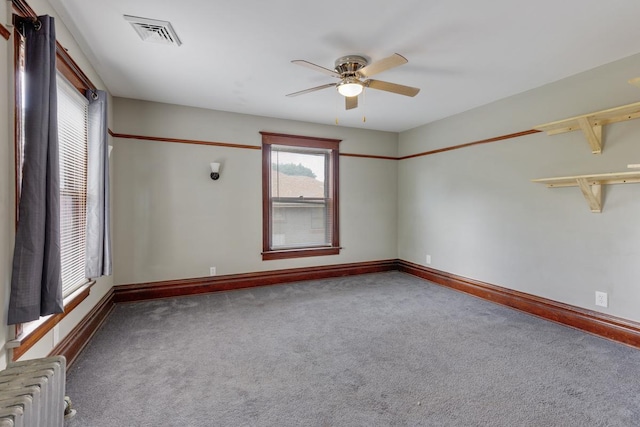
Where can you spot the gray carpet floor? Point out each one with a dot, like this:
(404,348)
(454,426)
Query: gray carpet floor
(383,349)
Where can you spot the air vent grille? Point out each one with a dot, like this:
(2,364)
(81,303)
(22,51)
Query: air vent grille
(154,31)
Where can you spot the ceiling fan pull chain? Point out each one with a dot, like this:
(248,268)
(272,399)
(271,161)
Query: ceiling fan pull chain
(364,106)
(337,107)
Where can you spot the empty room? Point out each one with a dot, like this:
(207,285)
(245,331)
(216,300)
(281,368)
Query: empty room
(420,213)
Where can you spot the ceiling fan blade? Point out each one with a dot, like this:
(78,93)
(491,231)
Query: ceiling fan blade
(392,87)
(316,67)
(350,102)
(313,89)
(382,65)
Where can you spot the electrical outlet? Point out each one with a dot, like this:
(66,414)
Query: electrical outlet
(601,299)
(428,259)
(212,271)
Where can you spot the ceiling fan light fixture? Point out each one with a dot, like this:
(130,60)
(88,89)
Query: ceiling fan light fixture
(350,86)
(354,72)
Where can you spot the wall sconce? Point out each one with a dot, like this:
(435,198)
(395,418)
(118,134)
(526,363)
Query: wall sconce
(215,171)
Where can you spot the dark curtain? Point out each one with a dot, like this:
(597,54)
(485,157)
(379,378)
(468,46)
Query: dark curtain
(36,283)
(98,207)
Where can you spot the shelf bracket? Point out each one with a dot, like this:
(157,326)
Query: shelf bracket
(593,194)
(591,124)
(592,185)
(593,133)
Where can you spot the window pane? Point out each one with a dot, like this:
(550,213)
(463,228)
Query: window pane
(298,173)
(72,137)
(305,225)
(299,198)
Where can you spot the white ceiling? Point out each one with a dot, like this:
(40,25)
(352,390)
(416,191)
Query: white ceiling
(235,54)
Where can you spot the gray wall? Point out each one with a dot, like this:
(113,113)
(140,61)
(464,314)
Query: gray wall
(171,221)
(475,211)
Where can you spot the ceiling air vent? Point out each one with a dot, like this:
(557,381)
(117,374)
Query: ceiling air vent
(154,31)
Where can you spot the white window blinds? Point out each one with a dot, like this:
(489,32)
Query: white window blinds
(72,137)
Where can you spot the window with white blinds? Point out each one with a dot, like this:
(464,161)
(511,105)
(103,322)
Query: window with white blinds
(72,138)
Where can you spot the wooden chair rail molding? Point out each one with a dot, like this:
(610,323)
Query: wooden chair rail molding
(342,154)
(591,124)
(591,185)
(224,144)
(183,141)
(471,144)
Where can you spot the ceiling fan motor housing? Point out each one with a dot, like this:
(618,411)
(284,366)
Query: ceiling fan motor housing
(347,66)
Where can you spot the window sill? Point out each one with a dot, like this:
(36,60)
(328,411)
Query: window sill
(40,327)
(299,253)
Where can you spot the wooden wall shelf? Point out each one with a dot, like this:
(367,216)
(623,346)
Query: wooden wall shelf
(591,185)
(591,124)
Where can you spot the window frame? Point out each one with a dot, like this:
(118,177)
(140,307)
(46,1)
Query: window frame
(67,69)
(29,335)
(269,139)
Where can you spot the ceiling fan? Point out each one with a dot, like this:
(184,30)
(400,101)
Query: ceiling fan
(354,72)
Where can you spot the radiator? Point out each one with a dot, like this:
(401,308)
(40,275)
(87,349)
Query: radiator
(32,393)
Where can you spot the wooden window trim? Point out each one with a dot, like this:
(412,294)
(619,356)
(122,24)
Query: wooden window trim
(65,64)
(269,139)
(24,342)
(299,253)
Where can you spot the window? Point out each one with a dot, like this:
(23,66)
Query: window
(300,196)
(72,138)
(73,194)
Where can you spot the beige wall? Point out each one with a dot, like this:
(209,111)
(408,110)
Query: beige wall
(7,197)
(172,221)
(477,214)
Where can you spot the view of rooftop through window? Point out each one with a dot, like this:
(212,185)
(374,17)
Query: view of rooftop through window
(299,198)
